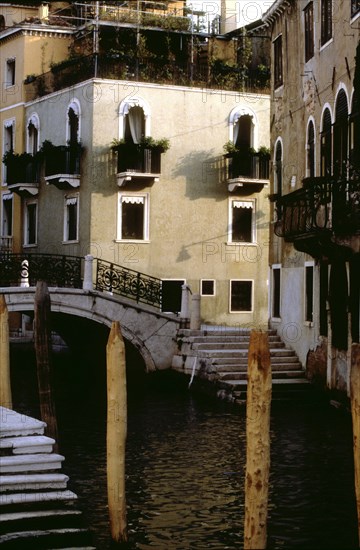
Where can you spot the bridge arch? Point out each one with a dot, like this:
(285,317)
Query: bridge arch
(151,333)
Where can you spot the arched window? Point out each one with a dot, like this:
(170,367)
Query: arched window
(73,122)
(134,120)
(311,150)
(325,139)
(243,128)
(354,133)
(33,127)
(278,166)
(341,135)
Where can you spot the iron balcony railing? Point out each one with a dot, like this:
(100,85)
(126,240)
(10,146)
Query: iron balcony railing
(23,168)
(135,158)
(62,159)
(126,282)
(248,166)
(321,205)
(6,244)
(142,69)
(27,269)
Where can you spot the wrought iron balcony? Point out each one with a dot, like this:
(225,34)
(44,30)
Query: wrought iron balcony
(22,173)
(136,162)
(244,168)
(62,165)
(322,209)
(6,244)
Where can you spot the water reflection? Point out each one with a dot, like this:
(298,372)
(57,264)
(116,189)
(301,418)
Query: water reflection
(185,466)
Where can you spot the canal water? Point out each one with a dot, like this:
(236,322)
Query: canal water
(186,457)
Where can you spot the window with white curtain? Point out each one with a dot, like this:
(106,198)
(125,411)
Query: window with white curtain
(133,217)
(71,218)
(241,221)
(134,125)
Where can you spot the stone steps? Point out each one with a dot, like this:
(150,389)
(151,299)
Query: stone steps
(220,357)
(37,509)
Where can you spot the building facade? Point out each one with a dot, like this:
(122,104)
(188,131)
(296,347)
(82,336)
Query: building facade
(315,193)
(167,180)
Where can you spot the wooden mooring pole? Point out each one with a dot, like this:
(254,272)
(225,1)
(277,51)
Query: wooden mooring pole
(5,383)
(116,432)
(257,441)
(42,337)
(355,413)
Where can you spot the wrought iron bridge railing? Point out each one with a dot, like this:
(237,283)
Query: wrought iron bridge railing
(321,205)
(126,282)
(68,272)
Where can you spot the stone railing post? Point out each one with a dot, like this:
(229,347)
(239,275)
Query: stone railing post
(24,274)
(195,318)
(88,270)
(185,306)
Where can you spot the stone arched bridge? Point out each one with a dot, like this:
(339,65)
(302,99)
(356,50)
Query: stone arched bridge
(98,291)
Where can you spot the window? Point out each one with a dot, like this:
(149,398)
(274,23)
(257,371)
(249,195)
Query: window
(133,217)
(278,168)
(325,140)
(276,281)
(241,295)
(71,218)
(326,21)
(33,134)
(10,72)
(207,287)
(171,292)
(340,153)
(311,150)
(8,144)
(309,293)
(355,7)
(354,137)
(134,119)
(309,31)
(278,63)
(241,226)
(7,215)
(30,223)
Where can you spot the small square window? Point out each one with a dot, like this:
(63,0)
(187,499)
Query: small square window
(355,7)
(133,217)
(241,296)
(207,287)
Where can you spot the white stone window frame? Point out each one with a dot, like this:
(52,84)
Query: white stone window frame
(274,267)
(306,322)
(252,296)
(71,199)
(10,72)
(35,121)
(311,119)
(238,112)
(124,109)
(27,203)
(252,205)
(214,287)
(8,123)
(76,107)
(146,231)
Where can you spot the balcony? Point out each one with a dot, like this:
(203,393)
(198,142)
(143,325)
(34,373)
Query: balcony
(323,214)
(6,245)
(22,173)
(62,165)
(138,163)
(246,169)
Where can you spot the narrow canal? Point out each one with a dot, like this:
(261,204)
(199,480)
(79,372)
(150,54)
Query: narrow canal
(186,457)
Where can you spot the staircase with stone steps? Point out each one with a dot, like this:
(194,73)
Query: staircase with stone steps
(220,357)
(37,509)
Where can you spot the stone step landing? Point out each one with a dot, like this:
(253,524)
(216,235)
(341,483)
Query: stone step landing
(219,357)
(37,509)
